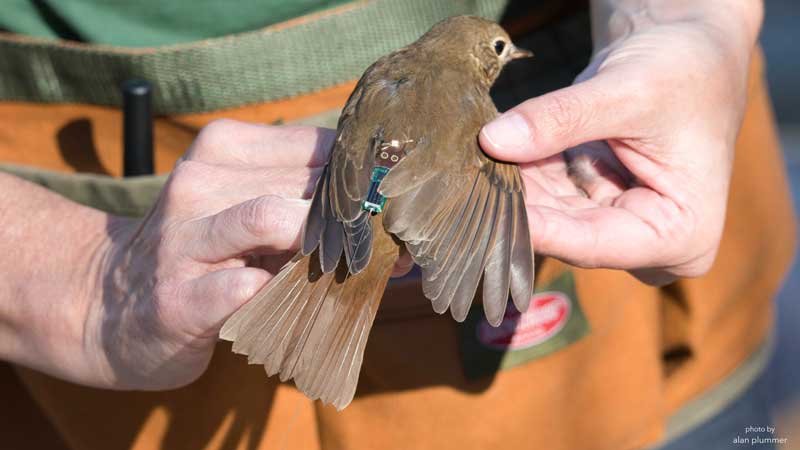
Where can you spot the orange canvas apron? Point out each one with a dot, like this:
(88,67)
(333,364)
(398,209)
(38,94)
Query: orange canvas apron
(645,352)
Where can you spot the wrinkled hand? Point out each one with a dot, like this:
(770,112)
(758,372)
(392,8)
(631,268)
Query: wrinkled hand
(650,126)
(170,280)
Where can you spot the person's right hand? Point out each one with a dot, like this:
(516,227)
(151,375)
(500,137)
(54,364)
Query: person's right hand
(166,283)
(137,304)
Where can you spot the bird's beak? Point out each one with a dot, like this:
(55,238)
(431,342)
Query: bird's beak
(518,53)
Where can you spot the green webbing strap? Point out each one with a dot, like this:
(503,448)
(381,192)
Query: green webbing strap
(131,197)
(277,62)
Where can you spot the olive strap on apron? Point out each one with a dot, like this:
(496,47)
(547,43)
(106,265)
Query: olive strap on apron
(301,55)
(131,197)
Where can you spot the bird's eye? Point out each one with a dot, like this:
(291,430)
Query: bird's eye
(499,46)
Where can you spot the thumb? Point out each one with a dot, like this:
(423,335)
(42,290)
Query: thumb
(591,110)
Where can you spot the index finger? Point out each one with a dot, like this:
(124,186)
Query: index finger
(234,143)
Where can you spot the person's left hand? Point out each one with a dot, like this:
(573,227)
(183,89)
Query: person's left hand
(651,126)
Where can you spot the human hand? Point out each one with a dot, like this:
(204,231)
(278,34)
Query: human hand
(167,282)
(650,126)
(137,304)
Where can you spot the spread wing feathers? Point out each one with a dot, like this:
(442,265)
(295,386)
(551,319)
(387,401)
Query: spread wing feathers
(359,242)
(336,221)
(323,229)
(352,159)
(522,269)
(361,131)
(313,326)
(463,225)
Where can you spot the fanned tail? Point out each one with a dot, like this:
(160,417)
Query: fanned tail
(313,326)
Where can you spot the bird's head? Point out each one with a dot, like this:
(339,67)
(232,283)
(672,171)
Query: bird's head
(479,43)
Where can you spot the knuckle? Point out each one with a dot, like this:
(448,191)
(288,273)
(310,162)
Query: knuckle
(212,137)
(704,262)
(695,268)
(218,127)
(703,266)
(260,217)
(240,287)
(185,179)
(171,240)
(165,291)
(186,170)
(293,183)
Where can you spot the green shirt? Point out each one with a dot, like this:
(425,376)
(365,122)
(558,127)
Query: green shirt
(148,23)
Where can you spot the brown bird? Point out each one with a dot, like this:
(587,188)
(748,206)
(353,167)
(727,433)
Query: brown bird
(406,174)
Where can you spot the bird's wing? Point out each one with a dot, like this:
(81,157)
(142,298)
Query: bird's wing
(336,220)
(462,215)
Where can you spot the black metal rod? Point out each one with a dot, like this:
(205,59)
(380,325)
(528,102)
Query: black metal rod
(137,117)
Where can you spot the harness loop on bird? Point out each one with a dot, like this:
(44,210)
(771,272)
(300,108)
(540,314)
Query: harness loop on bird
(389,154)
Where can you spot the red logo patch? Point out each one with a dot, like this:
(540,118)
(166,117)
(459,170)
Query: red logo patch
(546,316)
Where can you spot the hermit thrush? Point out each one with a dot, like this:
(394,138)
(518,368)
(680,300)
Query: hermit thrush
(405,174)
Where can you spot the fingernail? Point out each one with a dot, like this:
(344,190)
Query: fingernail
(509,132)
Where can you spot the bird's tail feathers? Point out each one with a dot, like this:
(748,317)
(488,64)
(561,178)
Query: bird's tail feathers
(312,326)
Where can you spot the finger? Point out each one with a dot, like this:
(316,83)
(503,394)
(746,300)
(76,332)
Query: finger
(230,142)
(198,179)
(537,190)
(553,191)
(286,182)
(211,188)
(201,189)
(592,110)
(271,263)
(267,224)
(593,237)
(209,300)
(552,174)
